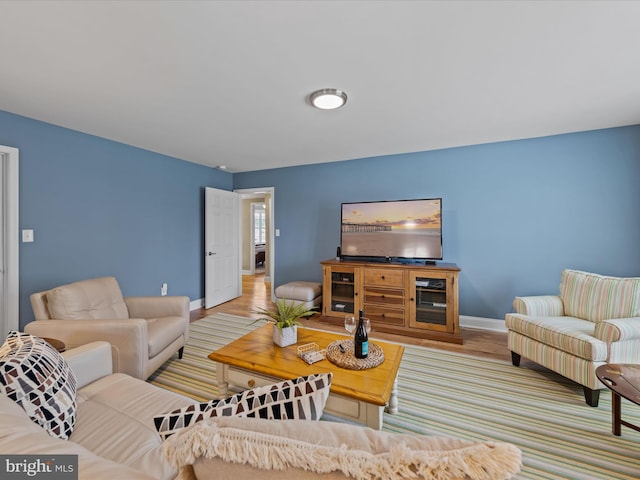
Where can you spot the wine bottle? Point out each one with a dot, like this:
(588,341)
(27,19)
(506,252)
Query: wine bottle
(361,339)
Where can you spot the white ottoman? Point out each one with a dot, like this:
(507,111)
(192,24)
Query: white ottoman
(307,293)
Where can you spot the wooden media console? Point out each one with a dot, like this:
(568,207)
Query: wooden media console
(415,300)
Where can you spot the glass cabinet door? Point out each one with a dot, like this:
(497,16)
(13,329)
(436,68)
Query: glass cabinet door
(343,292)
(342,283)
(429,308)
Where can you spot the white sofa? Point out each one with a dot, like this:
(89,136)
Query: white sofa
(595,319)
(115,437)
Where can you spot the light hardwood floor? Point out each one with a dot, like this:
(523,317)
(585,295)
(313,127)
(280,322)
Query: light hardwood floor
(257,293)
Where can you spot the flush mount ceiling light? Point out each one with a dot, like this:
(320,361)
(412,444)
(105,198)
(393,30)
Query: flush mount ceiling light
(328,98)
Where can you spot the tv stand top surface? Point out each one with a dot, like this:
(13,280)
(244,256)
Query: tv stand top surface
(390,264)
(412,262)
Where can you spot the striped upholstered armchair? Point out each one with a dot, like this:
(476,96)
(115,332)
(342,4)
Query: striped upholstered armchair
(594,320)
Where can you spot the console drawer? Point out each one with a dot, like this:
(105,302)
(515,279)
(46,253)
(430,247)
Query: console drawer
(379,314)
(384,296)
(387,277)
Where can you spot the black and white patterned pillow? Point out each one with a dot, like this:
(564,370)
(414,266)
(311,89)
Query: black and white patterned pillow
(302,398)
(35,376)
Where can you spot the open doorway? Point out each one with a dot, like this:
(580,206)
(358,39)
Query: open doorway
(257,233)
(259,241)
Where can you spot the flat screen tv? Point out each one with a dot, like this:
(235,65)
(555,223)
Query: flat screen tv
(399,230)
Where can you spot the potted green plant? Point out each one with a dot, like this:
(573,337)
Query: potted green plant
(285,320)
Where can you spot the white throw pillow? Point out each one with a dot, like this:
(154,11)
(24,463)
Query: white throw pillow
(232,447)
(302,398)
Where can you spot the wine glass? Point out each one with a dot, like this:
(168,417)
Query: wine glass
(350,323)
(367,325)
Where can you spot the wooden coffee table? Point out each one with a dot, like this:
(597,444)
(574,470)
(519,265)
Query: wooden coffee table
(624,381)
(357,395)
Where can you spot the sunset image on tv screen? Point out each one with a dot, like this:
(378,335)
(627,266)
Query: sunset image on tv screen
(407,229)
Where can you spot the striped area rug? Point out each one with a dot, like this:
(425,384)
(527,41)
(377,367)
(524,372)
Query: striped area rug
(443,393)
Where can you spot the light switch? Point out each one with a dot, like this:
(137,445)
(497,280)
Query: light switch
(277,232)
(27,236)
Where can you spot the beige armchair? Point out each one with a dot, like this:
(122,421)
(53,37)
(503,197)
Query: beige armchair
(144,332)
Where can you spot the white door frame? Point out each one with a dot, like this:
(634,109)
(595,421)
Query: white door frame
(256,193)
(9,316)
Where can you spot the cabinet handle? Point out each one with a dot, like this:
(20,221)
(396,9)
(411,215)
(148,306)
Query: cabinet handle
(382,277)
(383,316)
(382,296)
(411,299)
(251,383)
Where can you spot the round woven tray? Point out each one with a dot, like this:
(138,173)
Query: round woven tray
(348,359)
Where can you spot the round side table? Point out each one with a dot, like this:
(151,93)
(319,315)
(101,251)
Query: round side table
(624,381)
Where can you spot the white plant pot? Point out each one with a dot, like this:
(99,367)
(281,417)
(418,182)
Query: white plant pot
(286,336)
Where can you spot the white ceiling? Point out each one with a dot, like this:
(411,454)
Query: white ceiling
(227,83)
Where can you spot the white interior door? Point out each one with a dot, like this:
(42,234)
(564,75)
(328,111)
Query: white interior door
(9,279)
(3,314)
(222,247)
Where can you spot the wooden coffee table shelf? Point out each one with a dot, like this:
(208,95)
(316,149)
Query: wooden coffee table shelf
(357,395)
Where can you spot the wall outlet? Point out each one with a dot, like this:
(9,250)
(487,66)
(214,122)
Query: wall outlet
(163,289)
(27,235)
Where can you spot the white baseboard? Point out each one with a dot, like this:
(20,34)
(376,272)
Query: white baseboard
(196,304)
(482,323)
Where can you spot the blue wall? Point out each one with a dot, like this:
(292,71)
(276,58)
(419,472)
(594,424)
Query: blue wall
(99,207)
(514,213)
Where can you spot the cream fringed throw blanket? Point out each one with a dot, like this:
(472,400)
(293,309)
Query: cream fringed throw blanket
(347,450)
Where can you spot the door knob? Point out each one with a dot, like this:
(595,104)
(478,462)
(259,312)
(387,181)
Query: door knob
(211,253)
